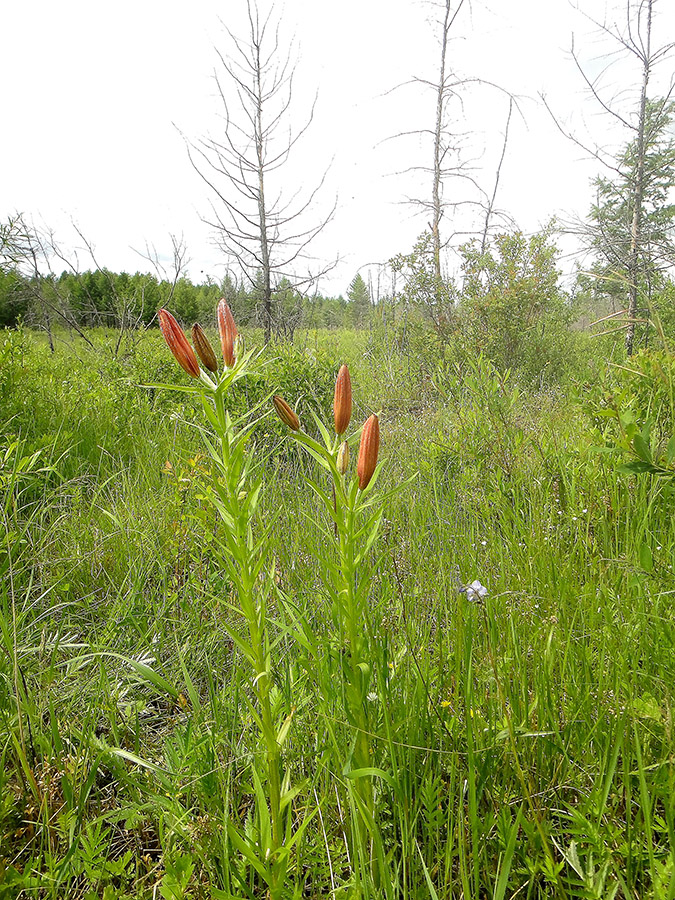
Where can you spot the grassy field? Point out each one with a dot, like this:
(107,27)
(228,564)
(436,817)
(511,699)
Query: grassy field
(210,691)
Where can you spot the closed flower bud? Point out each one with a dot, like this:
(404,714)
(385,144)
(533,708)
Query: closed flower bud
(343,458)
(342,402)
(368,450)
(287,415)
(204,348)
(227,330)
(178,343)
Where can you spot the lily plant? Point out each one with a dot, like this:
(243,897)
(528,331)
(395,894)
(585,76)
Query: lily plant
(354,513)
(234,492)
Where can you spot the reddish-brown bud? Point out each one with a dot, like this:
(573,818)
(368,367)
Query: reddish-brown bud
(227,330)
(287,415)
(204,348)
(368,450)
(342,402)
(178,343)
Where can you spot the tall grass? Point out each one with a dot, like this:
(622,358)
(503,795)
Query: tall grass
(517,746)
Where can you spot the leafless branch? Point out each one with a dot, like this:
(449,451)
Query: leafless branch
(257,221)
(491,204)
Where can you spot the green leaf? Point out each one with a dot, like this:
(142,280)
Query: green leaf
(647,707)
(298,833)
(210,414)
(145,673)
(646,560)
(325,434)
(184,388)
(602,450)
(636,468)
(427,876)
(371,772)
(248,852)
(642,448)
(285,728)
(189,684)
(670,450)
(137,760)
(288,796)
(313,448)
(327,501)
(506,861)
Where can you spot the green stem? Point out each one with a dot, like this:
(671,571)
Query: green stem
(351,625)
(255,616)
(219,402)
(262,689)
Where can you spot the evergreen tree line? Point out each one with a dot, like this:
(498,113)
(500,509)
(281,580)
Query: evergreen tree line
(122,300)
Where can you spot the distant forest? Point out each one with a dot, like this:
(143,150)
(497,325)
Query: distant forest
(105,298)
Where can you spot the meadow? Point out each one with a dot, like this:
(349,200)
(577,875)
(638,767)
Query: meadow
(215,689)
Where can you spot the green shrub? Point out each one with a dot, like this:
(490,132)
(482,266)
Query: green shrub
(514,310)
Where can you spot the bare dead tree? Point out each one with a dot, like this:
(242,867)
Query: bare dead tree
(448,160)
(170,273)
(19,251)
(34,252)
(29,251)
(443,93)
(257,220)
(635,40)
(179,263)
(489,210)
(128,309)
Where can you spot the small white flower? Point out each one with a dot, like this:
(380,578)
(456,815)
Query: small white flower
(372,697)
(484,543)
(475,591)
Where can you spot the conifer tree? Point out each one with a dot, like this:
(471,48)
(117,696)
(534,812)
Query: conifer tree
(622,259)
(359,297)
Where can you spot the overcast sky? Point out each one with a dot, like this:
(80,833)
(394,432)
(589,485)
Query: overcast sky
(98,100)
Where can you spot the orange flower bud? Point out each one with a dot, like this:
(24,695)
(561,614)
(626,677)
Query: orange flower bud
(204,348)
(343,458)
(178,343)
(342,402)
(368,450)
(287,415)
(227,330)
